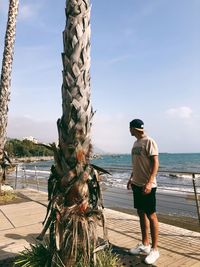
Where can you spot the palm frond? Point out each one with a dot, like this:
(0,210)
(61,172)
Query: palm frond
(100,169)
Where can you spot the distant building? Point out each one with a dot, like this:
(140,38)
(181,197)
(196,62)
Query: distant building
(31,138)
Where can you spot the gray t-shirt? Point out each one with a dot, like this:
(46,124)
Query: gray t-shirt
(141,153)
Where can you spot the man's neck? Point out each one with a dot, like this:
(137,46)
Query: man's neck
(140,135)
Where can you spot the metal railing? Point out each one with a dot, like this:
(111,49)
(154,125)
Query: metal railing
(177,196)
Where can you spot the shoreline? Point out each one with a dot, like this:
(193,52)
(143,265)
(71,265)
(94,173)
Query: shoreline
(31,159)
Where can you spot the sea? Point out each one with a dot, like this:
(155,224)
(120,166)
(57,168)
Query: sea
(175,171)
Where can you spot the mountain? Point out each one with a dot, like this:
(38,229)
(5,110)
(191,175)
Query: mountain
(97,150)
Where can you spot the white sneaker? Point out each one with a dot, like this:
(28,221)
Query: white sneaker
(140,248)
(152,257)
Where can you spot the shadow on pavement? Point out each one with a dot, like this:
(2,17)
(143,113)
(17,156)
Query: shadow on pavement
(129,260)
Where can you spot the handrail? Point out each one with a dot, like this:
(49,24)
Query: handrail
(196,196)
(123,168)
(191,199)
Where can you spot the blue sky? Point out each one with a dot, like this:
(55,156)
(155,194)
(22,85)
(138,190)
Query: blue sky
(145,63)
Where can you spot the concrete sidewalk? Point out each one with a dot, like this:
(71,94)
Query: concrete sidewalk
(22,222)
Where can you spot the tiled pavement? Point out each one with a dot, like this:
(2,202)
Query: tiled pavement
(21,223)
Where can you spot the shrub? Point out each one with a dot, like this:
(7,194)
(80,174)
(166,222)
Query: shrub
(39,256)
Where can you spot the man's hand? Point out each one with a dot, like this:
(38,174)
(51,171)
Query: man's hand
(147,188)
(129,184)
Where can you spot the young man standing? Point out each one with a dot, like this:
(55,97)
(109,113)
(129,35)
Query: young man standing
(143,183)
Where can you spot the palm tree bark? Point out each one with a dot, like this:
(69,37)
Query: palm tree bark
(5,81)
(74,126)
(74,193)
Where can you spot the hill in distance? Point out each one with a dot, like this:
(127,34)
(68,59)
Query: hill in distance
(97,150)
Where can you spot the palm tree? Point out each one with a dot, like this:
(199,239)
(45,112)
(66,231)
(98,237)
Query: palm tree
(6,81)
(74,193)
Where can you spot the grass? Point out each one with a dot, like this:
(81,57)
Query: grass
(38,256)
(8,197)
(106,258)
(11,197)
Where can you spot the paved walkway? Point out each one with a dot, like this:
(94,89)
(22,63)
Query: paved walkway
(21,223)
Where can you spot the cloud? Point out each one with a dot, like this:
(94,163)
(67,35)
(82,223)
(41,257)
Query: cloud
(3,7)
(25,10)
(111,133)
(44,131)
(119,59)
(28,11)
(180,112)
(26,54)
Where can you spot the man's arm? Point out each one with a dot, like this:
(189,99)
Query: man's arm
(129,182)
(154,170)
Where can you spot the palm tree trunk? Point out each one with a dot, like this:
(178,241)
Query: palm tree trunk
(73,187)
(6,78)
(74,126)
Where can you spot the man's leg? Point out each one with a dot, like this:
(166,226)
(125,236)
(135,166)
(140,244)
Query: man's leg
(144,225)
(154,229)
(154,253)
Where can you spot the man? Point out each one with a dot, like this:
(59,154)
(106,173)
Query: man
(143,183)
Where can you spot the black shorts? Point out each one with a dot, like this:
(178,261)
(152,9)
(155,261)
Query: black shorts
(146,203)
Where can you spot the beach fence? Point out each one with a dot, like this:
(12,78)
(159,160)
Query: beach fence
(178,196)
(178,193)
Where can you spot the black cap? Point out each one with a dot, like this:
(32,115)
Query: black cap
(137,124)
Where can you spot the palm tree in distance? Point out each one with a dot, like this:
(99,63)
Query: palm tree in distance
(5,83)
(73,188)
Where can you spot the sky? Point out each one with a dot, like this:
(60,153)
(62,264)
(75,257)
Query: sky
(145,63)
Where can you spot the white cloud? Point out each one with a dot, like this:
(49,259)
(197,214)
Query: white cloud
(119,59)
(111,133)
(180,112)
(4,7)
(44,131)
(28,11)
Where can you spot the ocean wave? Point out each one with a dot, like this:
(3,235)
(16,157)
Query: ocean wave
(168,180)
(38,171)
